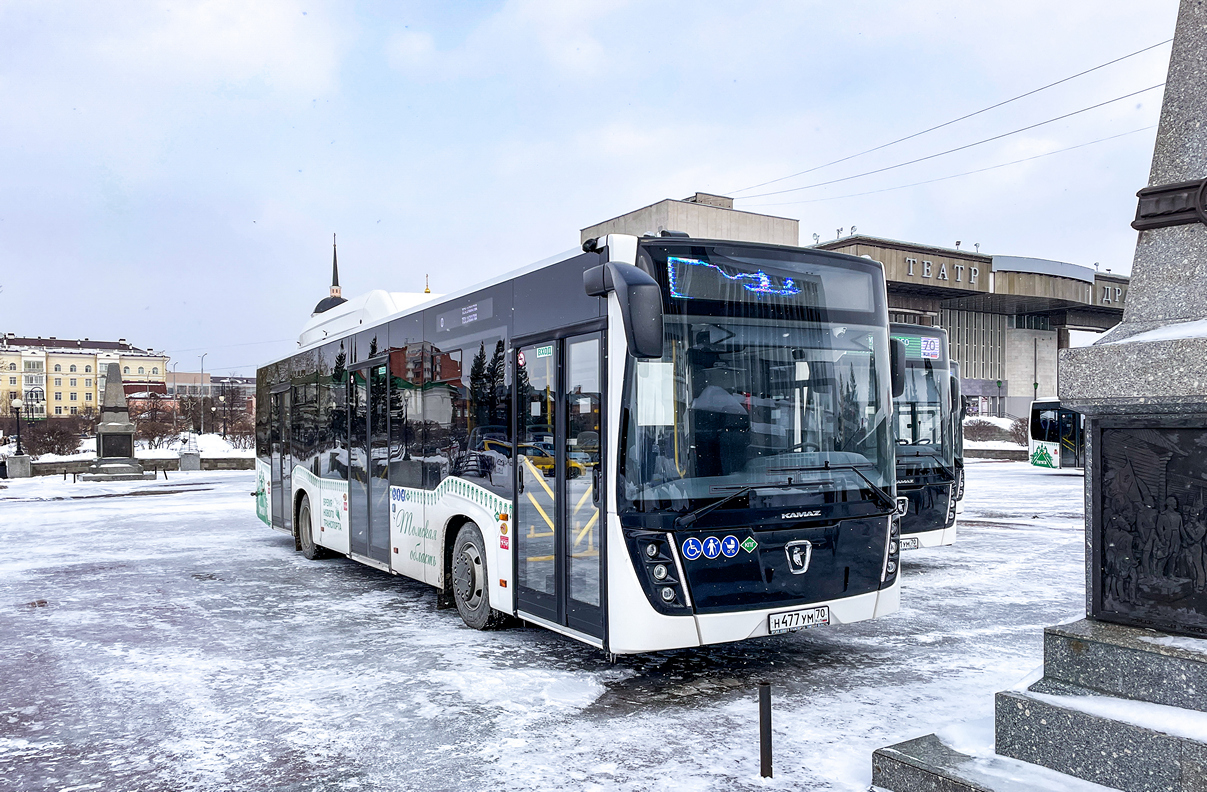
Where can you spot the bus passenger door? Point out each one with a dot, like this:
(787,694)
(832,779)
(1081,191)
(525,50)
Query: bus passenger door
(559,406)
(1071,443)
(368,469)
(281,462)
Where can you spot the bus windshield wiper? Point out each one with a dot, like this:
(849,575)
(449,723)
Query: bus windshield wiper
(882,496)
(948,472)
(686,520)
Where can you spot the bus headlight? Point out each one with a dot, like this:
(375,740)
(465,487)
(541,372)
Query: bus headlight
(651,550)
(892,566)
(660,572)
(668,594)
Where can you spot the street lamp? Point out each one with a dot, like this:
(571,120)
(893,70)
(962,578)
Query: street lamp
(202,389)
(175,397)
(17,404)
(222,401)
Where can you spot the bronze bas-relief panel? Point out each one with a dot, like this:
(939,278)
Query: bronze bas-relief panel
(1149,529)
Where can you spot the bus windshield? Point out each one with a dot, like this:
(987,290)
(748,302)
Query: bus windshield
(922,413)
(738,401)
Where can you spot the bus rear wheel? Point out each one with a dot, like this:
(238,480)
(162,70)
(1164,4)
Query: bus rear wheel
(310,550)
(469,579)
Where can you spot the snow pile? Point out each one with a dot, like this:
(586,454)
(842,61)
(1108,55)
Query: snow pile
(1197,645)
(210,445)
(993,445)
(1175,721)
(1002,423)
(1172,332)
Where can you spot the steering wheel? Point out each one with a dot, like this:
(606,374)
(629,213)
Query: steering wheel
(807,445)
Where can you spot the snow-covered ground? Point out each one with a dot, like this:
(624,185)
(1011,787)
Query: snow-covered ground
(157,636)
(210,445)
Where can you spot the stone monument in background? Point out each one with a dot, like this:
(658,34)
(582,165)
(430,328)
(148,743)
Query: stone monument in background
(1123,699)
(115,436)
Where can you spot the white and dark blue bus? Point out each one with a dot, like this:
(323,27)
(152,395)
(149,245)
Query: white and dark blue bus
(924,418)
(653,443)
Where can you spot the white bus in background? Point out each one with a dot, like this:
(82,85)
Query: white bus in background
(653,443)
(1057,436)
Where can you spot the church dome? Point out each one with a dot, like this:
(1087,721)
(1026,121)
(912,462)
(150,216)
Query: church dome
(327,303)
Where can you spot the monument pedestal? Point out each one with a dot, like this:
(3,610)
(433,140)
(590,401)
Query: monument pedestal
(190,460)
(19,466)
(1121,707)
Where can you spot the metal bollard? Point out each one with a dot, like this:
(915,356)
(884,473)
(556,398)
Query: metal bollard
(765,729)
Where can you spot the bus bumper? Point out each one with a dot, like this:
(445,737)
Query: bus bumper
(725,627)
(937,538)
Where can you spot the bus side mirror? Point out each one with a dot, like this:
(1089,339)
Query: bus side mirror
(957,399)
(897,363)
(640,302)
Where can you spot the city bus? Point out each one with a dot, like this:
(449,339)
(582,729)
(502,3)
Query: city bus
(647,444)
(957,421)
(924,417)
(1057,436)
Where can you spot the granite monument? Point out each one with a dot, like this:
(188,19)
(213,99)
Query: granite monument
(1121,700)
(115,436)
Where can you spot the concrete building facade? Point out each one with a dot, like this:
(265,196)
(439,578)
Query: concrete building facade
(63,377)
(1006,316)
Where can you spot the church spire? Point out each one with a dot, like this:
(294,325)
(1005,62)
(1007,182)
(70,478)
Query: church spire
(335,290)
(335,298)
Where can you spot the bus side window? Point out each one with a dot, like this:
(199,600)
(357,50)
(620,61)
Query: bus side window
(333,412)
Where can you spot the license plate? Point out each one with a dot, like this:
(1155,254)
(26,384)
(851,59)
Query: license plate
(909,543)
(798,620)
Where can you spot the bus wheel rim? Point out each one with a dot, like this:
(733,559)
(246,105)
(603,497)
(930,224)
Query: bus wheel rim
(467,574)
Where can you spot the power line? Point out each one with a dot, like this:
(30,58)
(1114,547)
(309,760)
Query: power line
(957,175)
(954,120)
(957,148)
(229,346)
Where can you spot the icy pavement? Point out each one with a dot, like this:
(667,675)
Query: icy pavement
(170,641)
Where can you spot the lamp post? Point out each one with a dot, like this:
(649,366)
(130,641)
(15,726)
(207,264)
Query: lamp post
(17,404)
(222,401)
(202,390)
(175,397)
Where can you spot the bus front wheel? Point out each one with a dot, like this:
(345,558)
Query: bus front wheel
(469,580)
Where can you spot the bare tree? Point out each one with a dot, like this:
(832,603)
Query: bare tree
(152,418)
(50,437)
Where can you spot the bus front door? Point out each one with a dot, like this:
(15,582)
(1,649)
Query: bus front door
(1071,441)
(282,461)
(559,557)
(369,463)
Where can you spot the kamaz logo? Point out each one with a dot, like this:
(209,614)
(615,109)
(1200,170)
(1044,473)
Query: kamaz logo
(800,515)
(906,481)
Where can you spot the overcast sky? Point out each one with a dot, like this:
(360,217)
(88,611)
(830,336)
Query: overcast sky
(172,172)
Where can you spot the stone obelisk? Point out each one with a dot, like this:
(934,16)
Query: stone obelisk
(115,436)
(1122,702)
